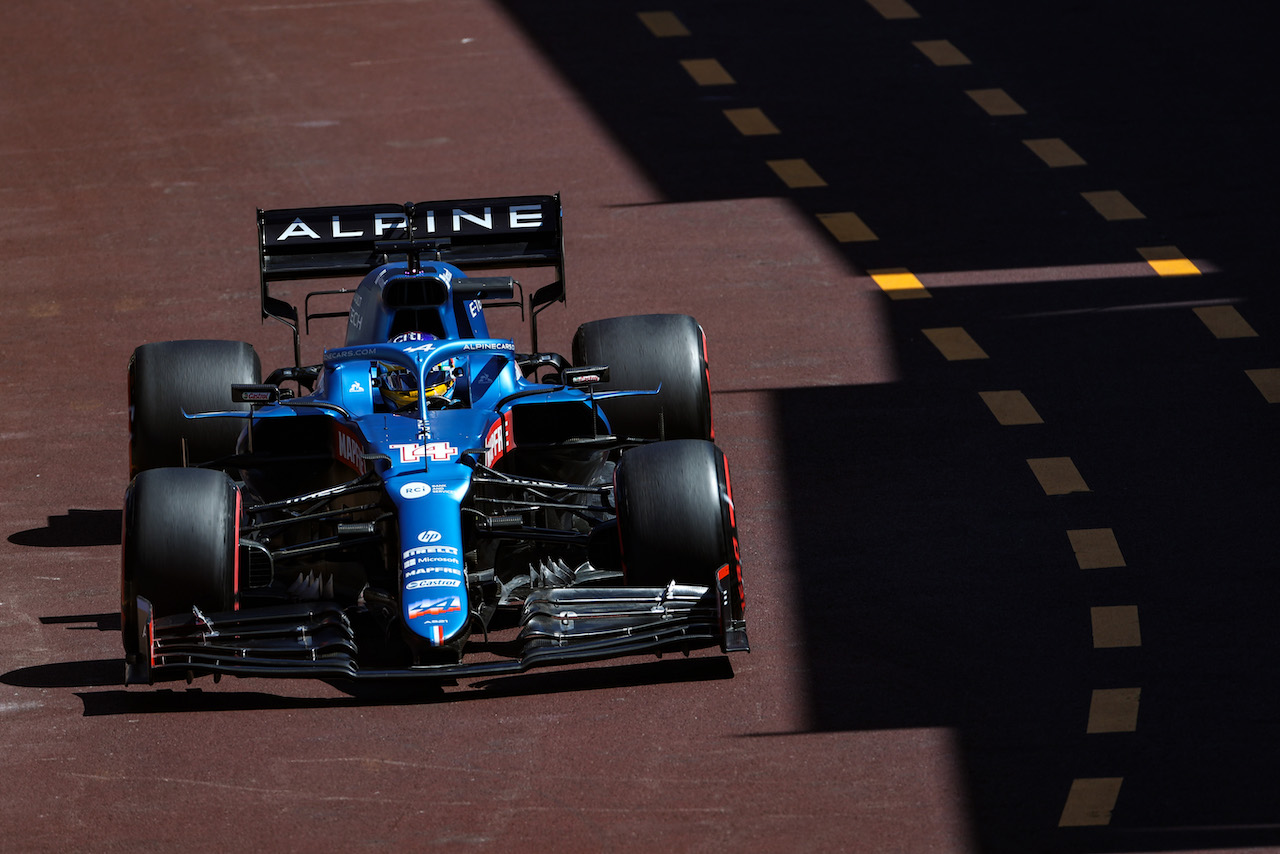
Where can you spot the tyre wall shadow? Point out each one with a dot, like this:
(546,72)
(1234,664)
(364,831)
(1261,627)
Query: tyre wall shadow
(937,582)
(939,587)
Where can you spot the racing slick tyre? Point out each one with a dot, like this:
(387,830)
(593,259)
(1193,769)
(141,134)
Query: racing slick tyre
(168,377)
(647,352)
(181,536)
(675,513)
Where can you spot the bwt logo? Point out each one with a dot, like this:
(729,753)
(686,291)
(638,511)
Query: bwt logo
(429,537)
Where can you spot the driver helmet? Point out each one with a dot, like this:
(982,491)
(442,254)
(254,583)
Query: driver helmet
(400,386)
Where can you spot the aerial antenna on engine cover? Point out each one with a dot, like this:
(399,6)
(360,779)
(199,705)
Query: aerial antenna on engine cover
(412,248)
(415,266)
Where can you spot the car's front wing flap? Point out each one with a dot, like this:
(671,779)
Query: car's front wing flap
(317,640)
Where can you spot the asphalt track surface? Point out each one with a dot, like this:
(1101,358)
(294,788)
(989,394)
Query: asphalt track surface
(1010,547)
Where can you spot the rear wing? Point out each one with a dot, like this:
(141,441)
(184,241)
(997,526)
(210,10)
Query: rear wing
(351,240)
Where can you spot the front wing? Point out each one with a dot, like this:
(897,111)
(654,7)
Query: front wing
(317,640)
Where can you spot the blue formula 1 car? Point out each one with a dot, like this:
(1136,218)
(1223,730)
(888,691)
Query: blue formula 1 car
(426,502)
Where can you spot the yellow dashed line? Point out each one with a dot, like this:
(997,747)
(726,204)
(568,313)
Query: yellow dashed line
(663,24)
(1115,626)
(751,121)
(1113,710)
(1054,152)
(995,102)
(1090,802)
(1112,205)
(1096,548)
(901,283)
(1268,382)
(847,227)
(707,72)
(1057,475)
(1011,407)
(894,9)
(1225,322)
(1168,261)
(954,343)
(942,52)
(796,173)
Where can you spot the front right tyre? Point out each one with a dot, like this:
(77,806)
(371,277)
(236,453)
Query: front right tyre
(675,513)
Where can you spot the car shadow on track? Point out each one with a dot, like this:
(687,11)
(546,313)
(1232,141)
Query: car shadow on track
(86,622)
(168,700)
(77,528)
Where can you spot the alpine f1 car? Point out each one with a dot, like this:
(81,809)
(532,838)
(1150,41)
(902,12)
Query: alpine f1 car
(426,502)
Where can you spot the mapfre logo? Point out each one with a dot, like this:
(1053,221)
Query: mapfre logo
(348,450)
(429,537)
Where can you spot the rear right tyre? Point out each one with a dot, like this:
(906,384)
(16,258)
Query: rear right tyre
(167,378)
(645,352)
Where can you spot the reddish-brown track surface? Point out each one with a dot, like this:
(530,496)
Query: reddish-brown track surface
(921,670)
(138,140)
